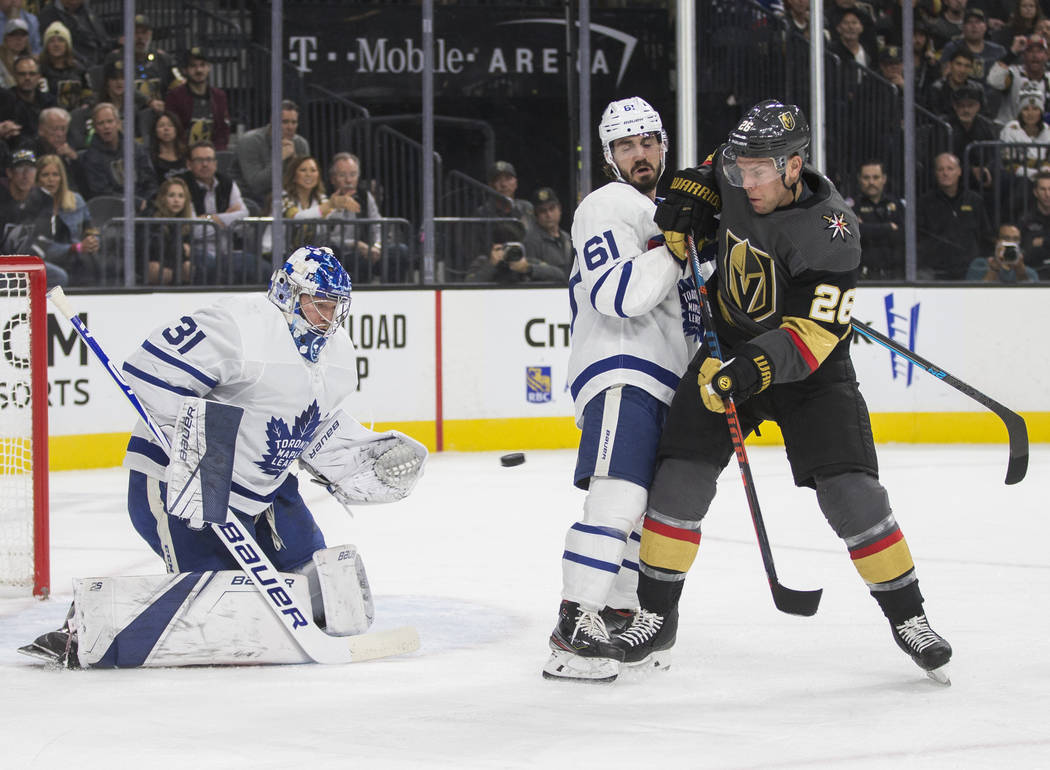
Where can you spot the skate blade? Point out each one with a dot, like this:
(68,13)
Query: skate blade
(42,654)
(654,661)
(940,675)
(567,667)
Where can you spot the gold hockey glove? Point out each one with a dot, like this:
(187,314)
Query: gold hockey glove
(691,207)
(748,373)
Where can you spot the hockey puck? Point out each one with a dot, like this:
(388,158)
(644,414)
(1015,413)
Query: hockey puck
(514,458)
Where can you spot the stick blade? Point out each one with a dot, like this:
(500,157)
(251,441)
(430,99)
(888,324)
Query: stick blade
(383,644)
(794,602)
(1017,431)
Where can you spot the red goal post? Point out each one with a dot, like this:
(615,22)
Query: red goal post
(24,510)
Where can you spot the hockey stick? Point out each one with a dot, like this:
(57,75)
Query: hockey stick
(317,645)
(1016,430)
(787,600)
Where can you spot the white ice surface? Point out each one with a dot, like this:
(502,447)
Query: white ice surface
(473,560)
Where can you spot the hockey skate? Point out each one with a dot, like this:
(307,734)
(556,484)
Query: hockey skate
(616,620)
(925,646)
(56,648)
(580,647)
(648,640)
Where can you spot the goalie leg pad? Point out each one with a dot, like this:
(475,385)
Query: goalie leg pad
(346,595)
(185,619)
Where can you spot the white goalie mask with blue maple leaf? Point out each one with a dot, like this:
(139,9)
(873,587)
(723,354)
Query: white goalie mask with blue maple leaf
(315,272)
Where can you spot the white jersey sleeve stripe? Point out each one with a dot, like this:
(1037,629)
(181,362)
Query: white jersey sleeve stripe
(624,269)
(197,374)
(157,382)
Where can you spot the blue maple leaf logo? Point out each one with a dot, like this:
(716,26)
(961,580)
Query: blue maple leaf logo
(284,445)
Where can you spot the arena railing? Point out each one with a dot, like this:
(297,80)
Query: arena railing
(1007,186)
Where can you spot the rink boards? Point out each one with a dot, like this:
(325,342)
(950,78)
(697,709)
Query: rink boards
(485,369)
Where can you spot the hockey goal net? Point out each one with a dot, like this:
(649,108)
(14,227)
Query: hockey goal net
(23,425)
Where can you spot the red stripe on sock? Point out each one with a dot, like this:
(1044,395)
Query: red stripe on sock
(803,348)
(675,533)
(894,537)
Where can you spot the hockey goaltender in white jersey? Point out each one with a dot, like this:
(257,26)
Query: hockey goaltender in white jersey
(241,391)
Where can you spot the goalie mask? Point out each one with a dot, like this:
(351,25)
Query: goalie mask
(771,129)
(630,117)
(313,291)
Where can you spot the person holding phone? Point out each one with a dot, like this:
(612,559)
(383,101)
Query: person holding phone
(1006,265)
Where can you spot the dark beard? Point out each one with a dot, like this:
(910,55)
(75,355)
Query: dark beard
(647,187)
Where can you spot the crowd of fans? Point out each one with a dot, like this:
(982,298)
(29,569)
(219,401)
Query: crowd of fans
(979,64)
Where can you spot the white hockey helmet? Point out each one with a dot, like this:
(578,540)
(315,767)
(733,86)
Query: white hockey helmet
(629,117)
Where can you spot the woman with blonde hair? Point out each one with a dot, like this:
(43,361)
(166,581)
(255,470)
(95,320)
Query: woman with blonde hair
(71,221)
(171,242)
(303,197)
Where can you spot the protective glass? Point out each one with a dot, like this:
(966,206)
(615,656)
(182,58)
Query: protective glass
(749,172)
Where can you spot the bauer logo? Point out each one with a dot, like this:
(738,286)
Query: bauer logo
(538,384)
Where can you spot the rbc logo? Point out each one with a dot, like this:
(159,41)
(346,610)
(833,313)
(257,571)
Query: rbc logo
(537,384)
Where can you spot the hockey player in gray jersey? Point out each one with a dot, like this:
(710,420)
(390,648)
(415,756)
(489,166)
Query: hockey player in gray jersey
(788,253)
(283,365)
(634,329)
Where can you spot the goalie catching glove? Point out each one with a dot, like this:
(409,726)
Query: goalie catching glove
(691,207)
(360,466)
(741,377)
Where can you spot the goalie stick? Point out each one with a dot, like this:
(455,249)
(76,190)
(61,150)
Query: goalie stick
(317,645)
(1016,429)
(788,600)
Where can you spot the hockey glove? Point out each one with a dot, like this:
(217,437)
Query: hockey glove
(691,208)
(741,377)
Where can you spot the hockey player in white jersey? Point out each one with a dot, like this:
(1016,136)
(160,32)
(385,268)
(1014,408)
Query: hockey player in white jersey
(635,326)
(282,364)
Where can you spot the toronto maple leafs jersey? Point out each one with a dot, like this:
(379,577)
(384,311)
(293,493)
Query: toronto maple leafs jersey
(787,280)
(239,352)
(635,317)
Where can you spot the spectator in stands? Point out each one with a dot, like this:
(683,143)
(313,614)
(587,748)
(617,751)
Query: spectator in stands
(201,107)
(52,139)
(985,52)
(505,260)
(103,160)
(172,244)
(969,126)
(927,67)
(865,13)
(1035,225)
(80,128)
(953,224)
(848,41)
(216,197)
(253,151)
(1006,265)
(90,41)
(1027,128)
(25,211)
(351,199)
(948,25)
(155,70)
(70,222)
(168,149)
(548,247)
(1021,23)
(796,16)
(1015,78)
(503,179)
(958,74)
(304,197)
(881,219)
(13,9)
(66,77)
(14,45)
(29,99)
(891,66)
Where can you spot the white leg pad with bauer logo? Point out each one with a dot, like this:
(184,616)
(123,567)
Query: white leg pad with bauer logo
(348,607)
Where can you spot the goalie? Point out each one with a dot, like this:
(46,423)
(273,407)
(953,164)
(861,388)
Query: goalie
(243,389)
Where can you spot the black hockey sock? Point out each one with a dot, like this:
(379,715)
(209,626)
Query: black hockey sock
(901,603)
(660,595)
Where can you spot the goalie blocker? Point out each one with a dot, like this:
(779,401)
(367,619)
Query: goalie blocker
(213,618)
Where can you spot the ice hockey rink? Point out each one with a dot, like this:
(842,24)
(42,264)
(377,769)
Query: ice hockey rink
(472,559)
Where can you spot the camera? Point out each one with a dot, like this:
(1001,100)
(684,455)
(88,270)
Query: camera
(1010,253)
(513,251)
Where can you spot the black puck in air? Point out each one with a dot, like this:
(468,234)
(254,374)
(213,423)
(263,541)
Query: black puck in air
(512,459)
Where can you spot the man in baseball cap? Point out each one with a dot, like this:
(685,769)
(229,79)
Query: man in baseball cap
(547,246)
